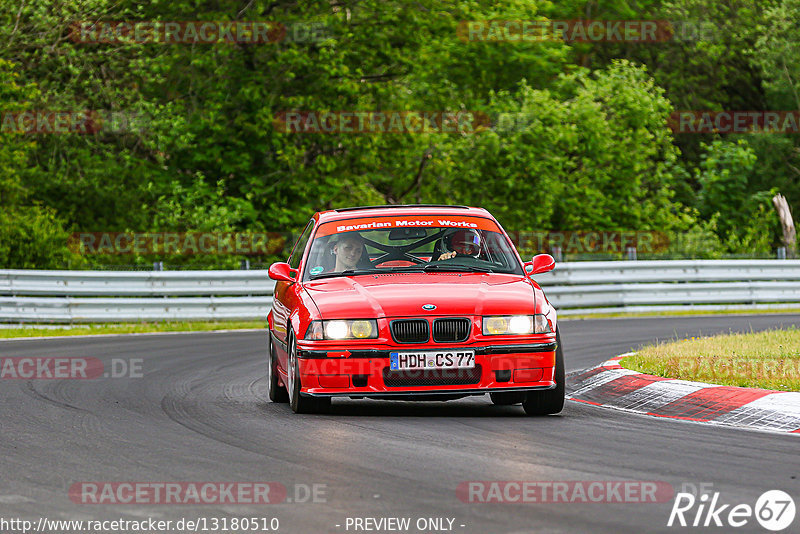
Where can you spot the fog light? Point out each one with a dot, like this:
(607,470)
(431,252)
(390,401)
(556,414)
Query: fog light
(361,329)
(496,325)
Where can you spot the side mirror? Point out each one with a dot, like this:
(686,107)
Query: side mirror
(541,263)
(281,272)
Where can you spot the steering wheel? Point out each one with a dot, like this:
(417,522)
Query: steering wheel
(405,257)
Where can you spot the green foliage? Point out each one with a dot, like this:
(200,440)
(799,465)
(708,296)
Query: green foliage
(14,150)
(698,241)
(592,153)
(579,140)
(30,235)
(777,52)
(741,217)
(33,238)
(723,175)
(708,62)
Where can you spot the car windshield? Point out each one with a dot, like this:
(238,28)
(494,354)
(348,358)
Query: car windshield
(409,244)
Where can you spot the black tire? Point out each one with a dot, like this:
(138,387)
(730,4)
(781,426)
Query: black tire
(301,403)
(507,398)
(277,393)
(552,400)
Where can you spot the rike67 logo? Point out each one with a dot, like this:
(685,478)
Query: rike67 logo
(774,510)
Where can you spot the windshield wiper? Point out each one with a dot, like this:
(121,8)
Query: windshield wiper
(407,269)
(347,272)
(456,268)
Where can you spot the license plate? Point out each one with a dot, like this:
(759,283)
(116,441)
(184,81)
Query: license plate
(446,359)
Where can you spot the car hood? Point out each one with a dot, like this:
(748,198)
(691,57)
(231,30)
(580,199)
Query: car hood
(403,295)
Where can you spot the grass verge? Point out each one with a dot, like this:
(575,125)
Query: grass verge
(130,328)
(768,360)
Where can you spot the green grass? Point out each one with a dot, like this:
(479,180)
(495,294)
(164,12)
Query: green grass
(768,360)
(130,328)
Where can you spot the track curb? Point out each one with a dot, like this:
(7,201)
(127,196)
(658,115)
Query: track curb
(610,385)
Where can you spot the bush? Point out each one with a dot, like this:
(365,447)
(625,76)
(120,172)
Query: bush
(32,237)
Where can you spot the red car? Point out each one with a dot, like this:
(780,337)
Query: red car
(421,302)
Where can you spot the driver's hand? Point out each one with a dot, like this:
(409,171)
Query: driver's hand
(447,256)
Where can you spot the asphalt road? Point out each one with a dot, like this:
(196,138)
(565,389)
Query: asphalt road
(200,412)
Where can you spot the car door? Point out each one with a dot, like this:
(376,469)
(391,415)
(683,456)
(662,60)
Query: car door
(286,296)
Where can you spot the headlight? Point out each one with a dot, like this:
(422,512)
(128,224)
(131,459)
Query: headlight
(515,325)
(336,330)
(343,329)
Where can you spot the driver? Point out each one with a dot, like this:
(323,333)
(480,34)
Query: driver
(348,250)
(461,243)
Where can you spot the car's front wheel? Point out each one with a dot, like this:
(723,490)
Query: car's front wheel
(277,393)
(552,400)
(301,403)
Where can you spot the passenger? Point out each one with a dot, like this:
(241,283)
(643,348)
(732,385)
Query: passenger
(348,251)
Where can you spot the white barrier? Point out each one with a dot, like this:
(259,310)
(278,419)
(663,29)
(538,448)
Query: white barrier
(578,287)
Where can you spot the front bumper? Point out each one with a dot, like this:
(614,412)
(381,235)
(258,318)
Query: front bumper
(364,371)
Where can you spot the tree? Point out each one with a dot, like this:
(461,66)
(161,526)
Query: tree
(743,218)
(593,153)
(30,235)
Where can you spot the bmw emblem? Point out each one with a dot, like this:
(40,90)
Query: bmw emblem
(428,307)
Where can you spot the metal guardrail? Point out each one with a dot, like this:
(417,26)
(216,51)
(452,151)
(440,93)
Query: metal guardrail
(578,287)
(641,286)
(96,310)
(134,283)
(608,272)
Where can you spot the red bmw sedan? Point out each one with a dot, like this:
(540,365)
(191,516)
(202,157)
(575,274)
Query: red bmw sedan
(419,302)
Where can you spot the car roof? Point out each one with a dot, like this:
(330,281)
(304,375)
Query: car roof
(400,209)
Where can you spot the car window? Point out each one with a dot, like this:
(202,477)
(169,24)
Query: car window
(408,243)
(300,246)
